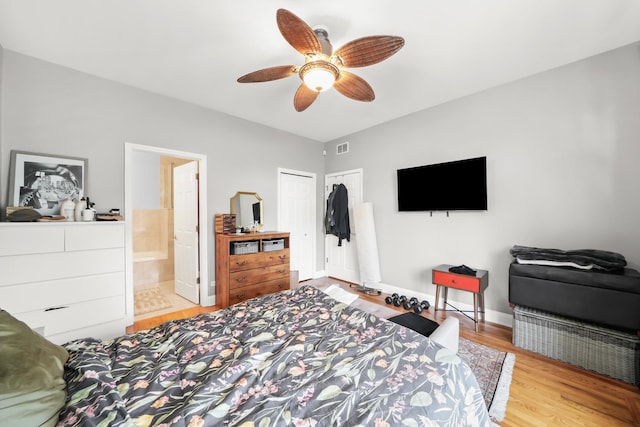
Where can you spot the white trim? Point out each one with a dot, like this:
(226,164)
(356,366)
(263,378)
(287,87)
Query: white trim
(129,148)
(319,274)
(359,170)
(311,175)
(490,315)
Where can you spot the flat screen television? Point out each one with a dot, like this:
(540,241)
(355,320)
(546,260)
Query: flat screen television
(450,186)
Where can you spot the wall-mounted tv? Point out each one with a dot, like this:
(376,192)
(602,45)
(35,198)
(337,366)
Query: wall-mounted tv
(450,186)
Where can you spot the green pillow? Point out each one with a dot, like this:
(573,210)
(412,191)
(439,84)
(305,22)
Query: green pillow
(32,387)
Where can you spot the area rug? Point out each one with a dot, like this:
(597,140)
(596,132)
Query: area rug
(147,300)
(493,369)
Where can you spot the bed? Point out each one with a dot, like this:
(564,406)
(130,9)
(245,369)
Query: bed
(298,358)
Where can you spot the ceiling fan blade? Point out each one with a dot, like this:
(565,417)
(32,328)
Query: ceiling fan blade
(297,33)
(304,97)
(268,74)
(368,50)
(354,87)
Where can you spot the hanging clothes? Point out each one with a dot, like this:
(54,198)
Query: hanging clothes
(329,221)
(337,217)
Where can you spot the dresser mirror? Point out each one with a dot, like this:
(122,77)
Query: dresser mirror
(247,207)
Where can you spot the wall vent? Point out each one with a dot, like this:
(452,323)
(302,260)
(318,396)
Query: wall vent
(342,148)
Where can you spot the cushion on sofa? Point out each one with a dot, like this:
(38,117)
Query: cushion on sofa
(32,387)
(610,299)
(625,280)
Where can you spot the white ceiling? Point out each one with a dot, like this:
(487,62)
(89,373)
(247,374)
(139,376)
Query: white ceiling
(194,50)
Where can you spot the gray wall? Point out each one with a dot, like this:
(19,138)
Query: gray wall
(56,110)
(562,153)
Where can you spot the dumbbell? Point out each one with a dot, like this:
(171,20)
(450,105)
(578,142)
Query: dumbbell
(420,307)
(393,299)
(410,303)
(398,301)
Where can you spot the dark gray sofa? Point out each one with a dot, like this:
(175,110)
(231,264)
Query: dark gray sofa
(606,298)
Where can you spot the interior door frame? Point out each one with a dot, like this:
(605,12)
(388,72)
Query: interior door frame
(312,176)
(129,148)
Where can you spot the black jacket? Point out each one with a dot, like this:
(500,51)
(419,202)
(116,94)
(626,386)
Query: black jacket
(337,218)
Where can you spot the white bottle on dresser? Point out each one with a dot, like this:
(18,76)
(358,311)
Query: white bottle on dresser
(67,210)
(80,206)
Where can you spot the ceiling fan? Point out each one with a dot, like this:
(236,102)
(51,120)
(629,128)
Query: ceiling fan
(324,68)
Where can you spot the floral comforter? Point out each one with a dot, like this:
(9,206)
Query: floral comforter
(297,358)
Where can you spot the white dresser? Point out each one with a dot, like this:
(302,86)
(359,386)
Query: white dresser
(65,280)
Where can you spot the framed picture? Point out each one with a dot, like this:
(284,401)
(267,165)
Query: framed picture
(44,181)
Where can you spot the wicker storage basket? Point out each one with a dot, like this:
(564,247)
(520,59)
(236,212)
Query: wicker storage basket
(270,245)
(606,351)
(241,248)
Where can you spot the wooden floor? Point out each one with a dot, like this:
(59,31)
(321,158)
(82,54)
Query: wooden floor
(544,392)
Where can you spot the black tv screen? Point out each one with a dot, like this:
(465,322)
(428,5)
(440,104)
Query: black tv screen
(451,186)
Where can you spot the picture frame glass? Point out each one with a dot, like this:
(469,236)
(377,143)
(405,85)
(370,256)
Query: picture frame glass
(44,181)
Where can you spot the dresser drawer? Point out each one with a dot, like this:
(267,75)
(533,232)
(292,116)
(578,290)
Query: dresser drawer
(21,240)
(112,329)
(94,236)
(41,267)
(260,259)
(458,281)
(243,278)
(54,293)
(253,291)
(75,316)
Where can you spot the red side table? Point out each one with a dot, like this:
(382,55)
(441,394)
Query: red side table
(441,276)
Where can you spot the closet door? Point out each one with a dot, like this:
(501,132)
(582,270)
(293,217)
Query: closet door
(341,262)
(296,214)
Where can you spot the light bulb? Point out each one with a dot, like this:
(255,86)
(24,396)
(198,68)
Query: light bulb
(319,75)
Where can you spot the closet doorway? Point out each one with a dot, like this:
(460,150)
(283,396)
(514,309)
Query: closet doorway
(164,255)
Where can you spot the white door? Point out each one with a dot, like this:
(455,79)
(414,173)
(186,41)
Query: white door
(185,230)
(341,262)
(296,214)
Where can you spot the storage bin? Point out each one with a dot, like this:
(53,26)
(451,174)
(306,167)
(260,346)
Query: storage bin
(269,245)
(240,248)
(607,351)
(225,223)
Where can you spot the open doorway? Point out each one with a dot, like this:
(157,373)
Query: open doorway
(154,244)
(155,278)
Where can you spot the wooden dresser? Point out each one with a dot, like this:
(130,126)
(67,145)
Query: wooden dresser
(250,265)
(65,280)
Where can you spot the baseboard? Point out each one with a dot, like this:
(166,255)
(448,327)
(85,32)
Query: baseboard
(493,316)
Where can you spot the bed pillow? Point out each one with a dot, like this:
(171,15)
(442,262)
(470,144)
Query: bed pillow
(32,387)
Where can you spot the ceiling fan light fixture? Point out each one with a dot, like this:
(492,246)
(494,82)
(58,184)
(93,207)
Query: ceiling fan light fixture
(319,75)
(323,67)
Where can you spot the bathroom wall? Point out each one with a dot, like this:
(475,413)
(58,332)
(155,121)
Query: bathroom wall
(153,218)
(152,246)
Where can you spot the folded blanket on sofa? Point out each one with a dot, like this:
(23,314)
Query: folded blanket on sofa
(583,258)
